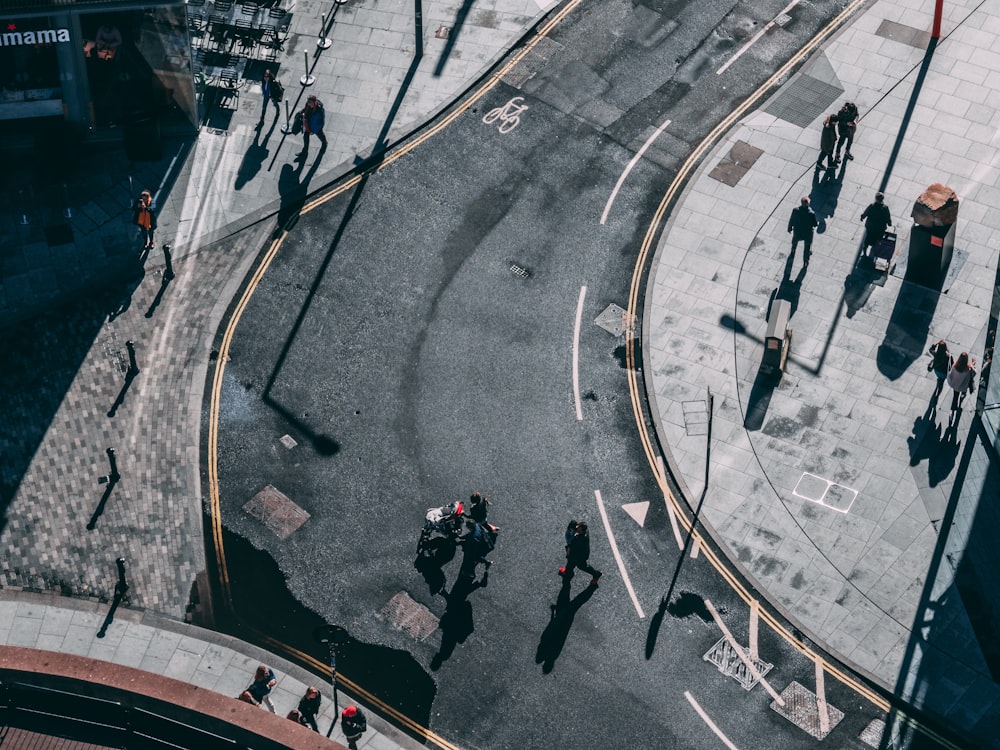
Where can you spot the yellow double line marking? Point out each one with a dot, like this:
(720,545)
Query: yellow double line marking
(634,391)
(310,205)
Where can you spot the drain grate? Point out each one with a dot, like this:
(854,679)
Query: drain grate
(800,708)
(872,734)
(520,271)
(409,616)
(276,511)
(725,658)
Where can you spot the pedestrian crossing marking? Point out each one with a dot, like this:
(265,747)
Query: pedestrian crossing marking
(637,511)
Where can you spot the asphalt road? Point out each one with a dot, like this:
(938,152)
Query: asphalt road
(415,335)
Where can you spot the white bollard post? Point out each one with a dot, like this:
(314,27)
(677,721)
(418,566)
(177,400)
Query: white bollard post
(287,127)
(308,79)
(323,42)
(824,714)
(754,615)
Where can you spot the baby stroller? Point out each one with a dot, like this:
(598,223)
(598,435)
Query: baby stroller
(442,526)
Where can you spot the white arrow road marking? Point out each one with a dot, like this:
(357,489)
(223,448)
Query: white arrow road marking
(637,511)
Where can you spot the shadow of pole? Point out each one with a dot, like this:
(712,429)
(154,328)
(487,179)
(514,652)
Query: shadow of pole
(460,17)
(897,725)
(657,619)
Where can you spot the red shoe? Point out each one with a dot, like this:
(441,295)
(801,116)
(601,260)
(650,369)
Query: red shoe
(562,571)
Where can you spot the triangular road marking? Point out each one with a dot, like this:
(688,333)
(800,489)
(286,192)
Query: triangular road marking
(637,511)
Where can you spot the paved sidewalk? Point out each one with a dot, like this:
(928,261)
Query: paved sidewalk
(65,231)
(163,646)
(863,512)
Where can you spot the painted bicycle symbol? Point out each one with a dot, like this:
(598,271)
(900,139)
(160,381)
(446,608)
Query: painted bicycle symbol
(509,114)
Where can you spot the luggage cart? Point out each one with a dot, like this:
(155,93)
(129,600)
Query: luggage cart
(883,252)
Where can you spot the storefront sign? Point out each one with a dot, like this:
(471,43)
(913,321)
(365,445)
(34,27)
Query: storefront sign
(11,37)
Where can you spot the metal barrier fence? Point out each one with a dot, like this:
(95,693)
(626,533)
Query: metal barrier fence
(87,712)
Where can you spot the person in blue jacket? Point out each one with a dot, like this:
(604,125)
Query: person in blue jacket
(313,122)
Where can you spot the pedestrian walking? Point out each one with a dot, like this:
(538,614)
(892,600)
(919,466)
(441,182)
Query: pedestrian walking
(354,724)
(313,118)
(478,542)
(827,142)
(801,224)
(272,91)
(144,217)
(877,219)
(578,552)
(309,707)
(478,507)
(259,690)
(961,378)
(847,125)
(940,364)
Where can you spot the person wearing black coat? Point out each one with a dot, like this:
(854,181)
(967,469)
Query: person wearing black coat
(801,224)
(309,707)
(353,724)
(577,554)
(877,220)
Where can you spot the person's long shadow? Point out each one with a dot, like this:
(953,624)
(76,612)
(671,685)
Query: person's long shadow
(255,156)
(431,560)
(456,623)
(553,638)
(826,193)
(942,463)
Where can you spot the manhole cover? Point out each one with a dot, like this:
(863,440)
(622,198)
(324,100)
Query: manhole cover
(695,417)
(800,708)
(273,509)
(409,616)
(616,321)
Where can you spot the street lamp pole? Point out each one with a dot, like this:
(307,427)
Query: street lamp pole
(936,31)
(332,636)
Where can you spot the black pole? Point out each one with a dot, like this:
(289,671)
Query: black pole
(333,682)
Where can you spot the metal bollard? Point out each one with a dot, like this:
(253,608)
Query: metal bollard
(323,42)
(308,79)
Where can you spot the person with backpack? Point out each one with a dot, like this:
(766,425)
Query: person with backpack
(847,125)
(313,119)
(940,364)
(272,91)
(353,724)
(578,552)
(309,707)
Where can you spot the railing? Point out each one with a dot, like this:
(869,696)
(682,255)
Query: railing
(114,718)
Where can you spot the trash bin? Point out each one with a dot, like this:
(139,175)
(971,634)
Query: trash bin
(932,239)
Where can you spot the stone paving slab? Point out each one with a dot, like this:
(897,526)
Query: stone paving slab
(829,489)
